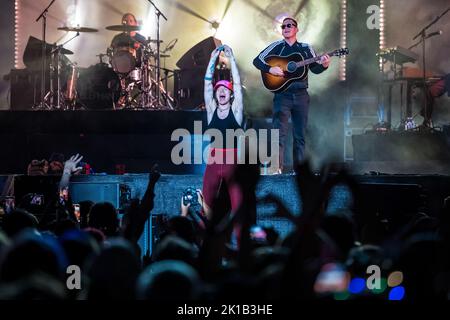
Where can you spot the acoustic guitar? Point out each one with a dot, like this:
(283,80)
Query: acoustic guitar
(294,67)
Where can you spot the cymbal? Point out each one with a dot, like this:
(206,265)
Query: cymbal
(164,55)
(123,28)
(64,50)
(154,41)
(78,29)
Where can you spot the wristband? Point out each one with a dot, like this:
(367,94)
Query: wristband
(208,78)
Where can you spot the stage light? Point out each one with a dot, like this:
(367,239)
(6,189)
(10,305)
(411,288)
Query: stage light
(340,296)
(343,42)
(16,33)
(149,24)
(395,279)
(357,285)
(382,31)
(383,287)
(397,293)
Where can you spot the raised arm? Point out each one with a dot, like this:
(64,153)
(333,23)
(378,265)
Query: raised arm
(237,107)
(210,104)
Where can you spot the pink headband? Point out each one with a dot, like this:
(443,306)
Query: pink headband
(227,84)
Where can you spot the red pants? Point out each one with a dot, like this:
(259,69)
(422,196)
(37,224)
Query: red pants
(218,174)
(436,90)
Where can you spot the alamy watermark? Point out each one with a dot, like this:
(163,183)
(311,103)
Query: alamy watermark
(252,146)
(373,22)
(73,281)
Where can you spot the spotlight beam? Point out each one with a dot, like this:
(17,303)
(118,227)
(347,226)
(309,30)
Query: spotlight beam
(300,7)
(258,8)
(112,8)
(227,7)
(187,10)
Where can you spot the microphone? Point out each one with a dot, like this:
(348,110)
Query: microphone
(437,33)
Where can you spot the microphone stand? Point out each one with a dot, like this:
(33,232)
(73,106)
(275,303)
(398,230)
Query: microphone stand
(158,54)
(43,16)
(57,51)
(423,36)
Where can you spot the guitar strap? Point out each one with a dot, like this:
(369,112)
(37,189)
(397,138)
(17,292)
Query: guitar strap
(282,49)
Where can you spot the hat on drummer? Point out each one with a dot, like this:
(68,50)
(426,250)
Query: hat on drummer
(224,83)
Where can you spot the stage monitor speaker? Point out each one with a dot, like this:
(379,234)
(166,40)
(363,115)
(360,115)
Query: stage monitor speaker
(96,192)
(188,87)
(391,202)
(25,88)
(405,147)
(199,55)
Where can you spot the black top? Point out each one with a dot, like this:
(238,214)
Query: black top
(282,48)
(125,40)
(222,125)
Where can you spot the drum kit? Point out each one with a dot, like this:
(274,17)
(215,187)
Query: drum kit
(128,80)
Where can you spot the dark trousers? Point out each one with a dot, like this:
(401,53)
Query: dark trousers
(295,105)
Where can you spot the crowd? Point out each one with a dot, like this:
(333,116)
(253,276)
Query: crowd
(326,256)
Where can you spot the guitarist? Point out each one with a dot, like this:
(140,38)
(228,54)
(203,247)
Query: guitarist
(294,100)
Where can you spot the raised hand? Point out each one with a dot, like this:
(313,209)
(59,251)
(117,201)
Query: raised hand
(154,175)
(70,166)
(228,51)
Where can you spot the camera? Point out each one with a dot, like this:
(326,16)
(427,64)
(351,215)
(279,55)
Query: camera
(37,199)
(76,211)
(190,196)
(7,204)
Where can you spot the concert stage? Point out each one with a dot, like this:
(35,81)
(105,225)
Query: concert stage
(136,139)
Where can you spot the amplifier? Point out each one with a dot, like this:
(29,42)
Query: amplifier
(114,192)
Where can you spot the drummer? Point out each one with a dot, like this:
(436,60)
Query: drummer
(128,39)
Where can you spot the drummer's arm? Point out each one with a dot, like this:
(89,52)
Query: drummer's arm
(209,90)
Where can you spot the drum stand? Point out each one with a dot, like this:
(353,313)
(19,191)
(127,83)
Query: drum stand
(55,73)
(159,14)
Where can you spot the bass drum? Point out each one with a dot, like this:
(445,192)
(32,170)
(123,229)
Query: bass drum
(98,87)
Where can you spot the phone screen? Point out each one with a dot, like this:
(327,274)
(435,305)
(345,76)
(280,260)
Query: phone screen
(76,209)
(37,199)
(332,278)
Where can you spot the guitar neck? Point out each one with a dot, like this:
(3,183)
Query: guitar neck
(312,60)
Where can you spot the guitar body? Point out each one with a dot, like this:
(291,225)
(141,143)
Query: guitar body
(291,72)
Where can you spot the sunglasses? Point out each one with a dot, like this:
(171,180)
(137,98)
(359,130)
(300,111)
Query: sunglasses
(289,25)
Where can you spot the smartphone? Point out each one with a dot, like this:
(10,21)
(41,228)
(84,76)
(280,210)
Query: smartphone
(258,234)
(76,210)
(332,278)
(8,204)
(37,199)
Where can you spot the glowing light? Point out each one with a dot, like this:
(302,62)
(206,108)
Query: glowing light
(332,278)
(340,296)
(383,287)
(343,44)
(395,279)
(16,33)
(397,293)
(357,285)
(382,30)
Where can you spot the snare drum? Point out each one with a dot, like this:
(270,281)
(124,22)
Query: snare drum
(123,59)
